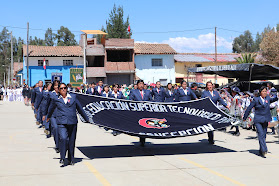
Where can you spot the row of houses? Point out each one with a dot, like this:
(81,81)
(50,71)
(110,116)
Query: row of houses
(117,61)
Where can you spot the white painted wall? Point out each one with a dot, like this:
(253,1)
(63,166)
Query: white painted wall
(150,74)
(55,61)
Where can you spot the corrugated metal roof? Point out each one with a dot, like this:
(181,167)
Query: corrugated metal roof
(202,57)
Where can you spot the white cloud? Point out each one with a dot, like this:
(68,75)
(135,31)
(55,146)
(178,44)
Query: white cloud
(203,43)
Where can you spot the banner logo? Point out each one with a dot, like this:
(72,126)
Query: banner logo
(153,123)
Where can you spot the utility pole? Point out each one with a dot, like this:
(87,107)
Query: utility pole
(27,62)
(5,78)
(12,59)
(84,57)
(215,53)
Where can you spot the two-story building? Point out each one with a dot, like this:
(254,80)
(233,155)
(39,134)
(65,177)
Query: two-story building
(155,62)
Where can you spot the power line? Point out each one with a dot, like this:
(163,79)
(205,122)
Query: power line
(31,28)
(192,30)
(233,30)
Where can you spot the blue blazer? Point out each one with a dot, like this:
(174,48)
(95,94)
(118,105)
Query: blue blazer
(158,97)
(45,101)
(52,97)
(89,91)
(169,97)
(180,95)
(38,97)
(66,113)
(96,90)
(262,110)
(136,96)
(33,95)
(119,95)
(104,94)
(216,97)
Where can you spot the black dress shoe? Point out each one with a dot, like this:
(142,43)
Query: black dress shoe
(72,163)
(57,150)
(262,154)
(63,162)
(211,142)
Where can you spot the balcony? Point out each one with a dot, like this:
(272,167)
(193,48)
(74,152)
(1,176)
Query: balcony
(120,67)
(95,72)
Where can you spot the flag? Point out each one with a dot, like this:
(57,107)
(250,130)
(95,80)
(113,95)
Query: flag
(44,65)
(129,29)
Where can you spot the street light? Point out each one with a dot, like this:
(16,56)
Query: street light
(12,56)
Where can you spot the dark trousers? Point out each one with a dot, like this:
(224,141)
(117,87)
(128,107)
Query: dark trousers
(54,131)
(67,136)
(46,124)
(210,136)
(39,116)
(261,130)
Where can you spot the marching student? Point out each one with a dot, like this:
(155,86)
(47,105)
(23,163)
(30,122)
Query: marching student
(106,93)
(66,118)
(44,103)
(115,93)
(37,101)
(262,116)
(170,94)
(99,88)
(53,124)
(215,97)
(91,90)
(184,93)
(158,93)
(33,95)
(140,94)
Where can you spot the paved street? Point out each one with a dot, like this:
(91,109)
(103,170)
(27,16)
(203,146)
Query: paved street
(28,158)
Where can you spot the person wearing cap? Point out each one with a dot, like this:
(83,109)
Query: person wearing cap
(262,116)
(140,94)
(215,97)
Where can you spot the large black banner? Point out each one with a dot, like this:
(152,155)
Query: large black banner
(152,119)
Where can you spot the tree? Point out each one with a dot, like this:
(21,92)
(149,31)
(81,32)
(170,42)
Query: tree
(246,58)
(243,43)
(257,42)
(65,37)
(116,26)
(270,47)
(5,52)
(49,37)
(36,41)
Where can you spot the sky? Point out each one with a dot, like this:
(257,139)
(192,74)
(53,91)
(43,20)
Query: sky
(186,25)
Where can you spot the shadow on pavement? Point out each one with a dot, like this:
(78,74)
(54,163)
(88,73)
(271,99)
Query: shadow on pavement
(116,151)
(255,152)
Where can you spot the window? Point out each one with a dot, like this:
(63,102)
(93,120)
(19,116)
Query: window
(157,62)
(67,62)
(41,63)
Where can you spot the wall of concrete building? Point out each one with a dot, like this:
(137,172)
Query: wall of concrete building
(151,74)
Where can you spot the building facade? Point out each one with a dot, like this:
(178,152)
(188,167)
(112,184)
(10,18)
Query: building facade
(183,61)
(59,60)
(155,62)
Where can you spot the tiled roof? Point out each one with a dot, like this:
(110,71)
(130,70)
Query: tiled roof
(119,43)
(17,67)
(35,50)
(203,57)
(147,48)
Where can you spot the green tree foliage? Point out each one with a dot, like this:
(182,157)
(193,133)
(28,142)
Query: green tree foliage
(246,58)
(243,43)
(49,37)
(36,41)
(5,52)
(65,37)
(116,27)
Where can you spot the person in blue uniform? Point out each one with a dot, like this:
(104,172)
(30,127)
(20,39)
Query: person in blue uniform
(184,93)
(115,93)
(91,90)
(262,116)
(33,94)
(140,94)
(38,98)
(100,88)
(170,94)
(43,106)
(53,124)
(66,118)
(106,93)
(158,93)
(215,97)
